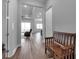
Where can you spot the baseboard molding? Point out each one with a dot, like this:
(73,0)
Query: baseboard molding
(14,51)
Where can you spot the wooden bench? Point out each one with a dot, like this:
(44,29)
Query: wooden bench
(61,45)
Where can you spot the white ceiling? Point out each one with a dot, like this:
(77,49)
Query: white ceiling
(40,3)
(29,10)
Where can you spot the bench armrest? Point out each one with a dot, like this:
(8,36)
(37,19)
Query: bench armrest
(49,37)
(49,41)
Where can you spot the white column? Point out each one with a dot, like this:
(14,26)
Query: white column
(44,24)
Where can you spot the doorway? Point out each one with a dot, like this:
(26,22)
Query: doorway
(25,26)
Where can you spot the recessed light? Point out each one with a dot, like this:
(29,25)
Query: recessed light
(40,13)
(25,6)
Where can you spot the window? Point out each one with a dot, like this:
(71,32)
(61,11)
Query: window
(25,26)
(39,26)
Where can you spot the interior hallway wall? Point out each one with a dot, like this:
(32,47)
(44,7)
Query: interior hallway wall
(49,23)
(64,14)
(12,26)
(13,41)
(19,18)
(4,23)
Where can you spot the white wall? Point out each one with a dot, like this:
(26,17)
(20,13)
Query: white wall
(12,41)
(13,26)
(64,14)
(49,26)
(4,23)
(19,18)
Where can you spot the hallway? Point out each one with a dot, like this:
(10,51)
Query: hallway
(53,18)
(31,49)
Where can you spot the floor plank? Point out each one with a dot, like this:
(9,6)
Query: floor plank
(32,48)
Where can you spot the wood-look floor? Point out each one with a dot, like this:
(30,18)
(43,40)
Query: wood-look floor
(32,48)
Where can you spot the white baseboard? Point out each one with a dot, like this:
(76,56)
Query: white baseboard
(14,51)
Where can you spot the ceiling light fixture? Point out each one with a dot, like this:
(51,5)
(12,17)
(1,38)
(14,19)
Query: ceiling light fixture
(25,6)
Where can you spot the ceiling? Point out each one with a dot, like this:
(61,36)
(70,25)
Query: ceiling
(30,7)
(40,3)
(27,11)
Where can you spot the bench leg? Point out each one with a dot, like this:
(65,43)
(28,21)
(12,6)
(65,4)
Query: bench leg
(45,50)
